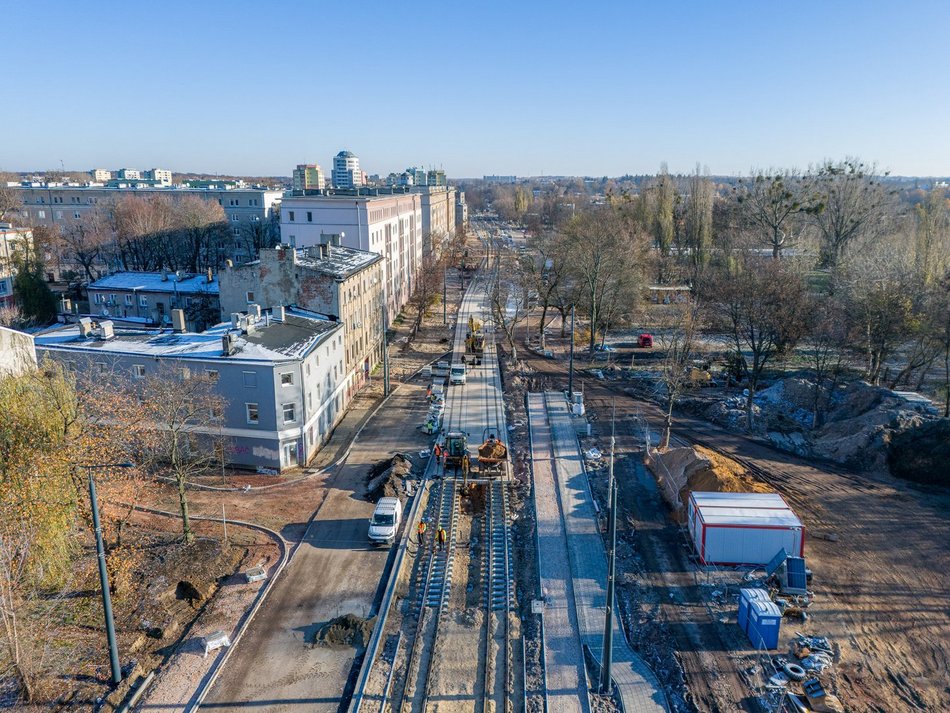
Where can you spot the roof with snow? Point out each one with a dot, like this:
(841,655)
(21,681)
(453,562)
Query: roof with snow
(267,340)
(186,283)
(339,262)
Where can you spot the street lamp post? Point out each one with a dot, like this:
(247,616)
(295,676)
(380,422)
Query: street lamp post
(103,571)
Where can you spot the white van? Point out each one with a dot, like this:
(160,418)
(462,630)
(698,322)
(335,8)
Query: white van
(384,524)
(457,375)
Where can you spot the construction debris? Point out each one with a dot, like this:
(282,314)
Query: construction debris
(387,478)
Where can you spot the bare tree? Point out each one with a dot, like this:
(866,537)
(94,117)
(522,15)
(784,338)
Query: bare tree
(428,285)
(677,340)
(699,216)
(200,225)
(850,202)
(770,202)
(10,201)
(830,338)
(764,310)
(188,411)
(85,240)
(509,301)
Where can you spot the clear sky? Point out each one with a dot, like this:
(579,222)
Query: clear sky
(587,88)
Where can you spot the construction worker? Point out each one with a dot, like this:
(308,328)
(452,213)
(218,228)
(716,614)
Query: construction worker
(437,452)
(440,535)
(465,466)
(429,392)
(421,531)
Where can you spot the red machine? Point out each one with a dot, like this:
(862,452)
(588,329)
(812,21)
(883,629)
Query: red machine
(645,341)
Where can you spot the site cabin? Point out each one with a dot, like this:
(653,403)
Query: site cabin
(733,529)
(457,374)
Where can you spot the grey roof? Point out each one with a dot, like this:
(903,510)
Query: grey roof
(188,283)
(346,154)
(340,263)
(268,341)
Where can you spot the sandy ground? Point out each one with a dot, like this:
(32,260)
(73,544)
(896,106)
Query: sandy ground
(878,547)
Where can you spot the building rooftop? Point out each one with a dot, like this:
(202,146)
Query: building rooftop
(187,283)
(268,340)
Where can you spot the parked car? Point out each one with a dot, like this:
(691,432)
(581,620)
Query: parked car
(604,348)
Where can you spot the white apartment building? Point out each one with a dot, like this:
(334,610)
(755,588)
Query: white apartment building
(100,175)
(160,175)
(128,174)
(388,224)
(346,171)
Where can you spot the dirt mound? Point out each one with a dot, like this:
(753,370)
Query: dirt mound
(386,478)
(680,471)
(922,454)
(346,630)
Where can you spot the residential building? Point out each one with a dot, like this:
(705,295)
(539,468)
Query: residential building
(279,374)
(17,353)
(150,297)
(11,240)
(436,177)
(161,176)
(340,282)
(308,177)
(387,222)
(128,174)
(510,180)
(461,211)
(346,171)
(100,175)
(438,214)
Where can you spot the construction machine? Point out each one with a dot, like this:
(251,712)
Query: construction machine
(474,342)
(492,455)
(455,446)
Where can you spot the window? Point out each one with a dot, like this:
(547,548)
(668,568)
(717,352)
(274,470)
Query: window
(128,300)
(59,215)
(98,299)
(212,374)
(249,296)
(3,287)
(252,415)
(77,215)
(291,213)
(289,415)
(215,412)
(287,378)
(310,400)
(101,367)
(309,217)
(41,214)
(184,373)
(250,379)
(143,301)
(138,371)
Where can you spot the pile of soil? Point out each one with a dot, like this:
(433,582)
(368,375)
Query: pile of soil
(346,630)
(386,478)
(680,471)
(922,454)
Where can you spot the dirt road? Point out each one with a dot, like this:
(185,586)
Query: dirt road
(335,571)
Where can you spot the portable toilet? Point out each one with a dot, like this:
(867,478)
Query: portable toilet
(764,624)
(746,596)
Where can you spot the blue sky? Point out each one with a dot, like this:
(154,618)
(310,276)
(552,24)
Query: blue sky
(596,88)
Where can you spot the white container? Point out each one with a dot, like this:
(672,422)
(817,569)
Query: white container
(731,500)
(745,535)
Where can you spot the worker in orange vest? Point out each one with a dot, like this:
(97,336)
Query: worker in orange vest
(421,531)
(440,533)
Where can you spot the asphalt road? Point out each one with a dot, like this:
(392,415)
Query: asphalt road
(334,571)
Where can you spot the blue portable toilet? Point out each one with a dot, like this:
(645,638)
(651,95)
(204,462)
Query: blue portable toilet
(750,594)
(764,624)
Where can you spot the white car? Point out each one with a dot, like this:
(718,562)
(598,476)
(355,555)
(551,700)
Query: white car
(384,524)
(457,374)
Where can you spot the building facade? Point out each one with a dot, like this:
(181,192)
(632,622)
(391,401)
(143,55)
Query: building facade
(461,211)
(150,297)
(346,171)
(388,224)
(12,240)
(17,352)
(279,374)
(309,177)
(438,215)
(161,176)
(128,174)
(100,175)
(342,283)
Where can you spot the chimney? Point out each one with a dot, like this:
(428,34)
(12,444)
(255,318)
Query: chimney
(210,276)
(254,310)
(279,313)
(178,320)
(164,275)
(85,327)
(106,330)
(227,344)
(236,320)
(324,251)
(229,263)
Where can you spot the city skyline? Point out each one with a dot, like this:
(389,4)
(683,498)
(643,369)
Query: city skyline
(609,90)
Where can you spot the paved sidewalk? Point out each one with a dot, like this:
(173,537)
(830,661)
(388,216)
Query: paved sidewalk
(564,672)
(637,685)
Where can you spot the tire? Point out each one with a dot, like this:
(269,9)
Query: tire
(794,671)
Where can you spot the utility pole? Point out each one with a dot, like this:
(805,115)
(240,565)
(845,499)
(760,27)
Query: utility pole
(444,291)
(104,579)
(605,683)
(570,371)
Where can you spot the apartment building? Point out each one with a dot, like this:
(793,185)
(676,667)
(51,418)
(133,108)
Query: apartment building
(340,282)
(346,171)
(11,240)
(309,177)
(161,176)
(100,175)
(461,210)
(387,222)
(128,174)
(151,297)
(438,214)
(280,374)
